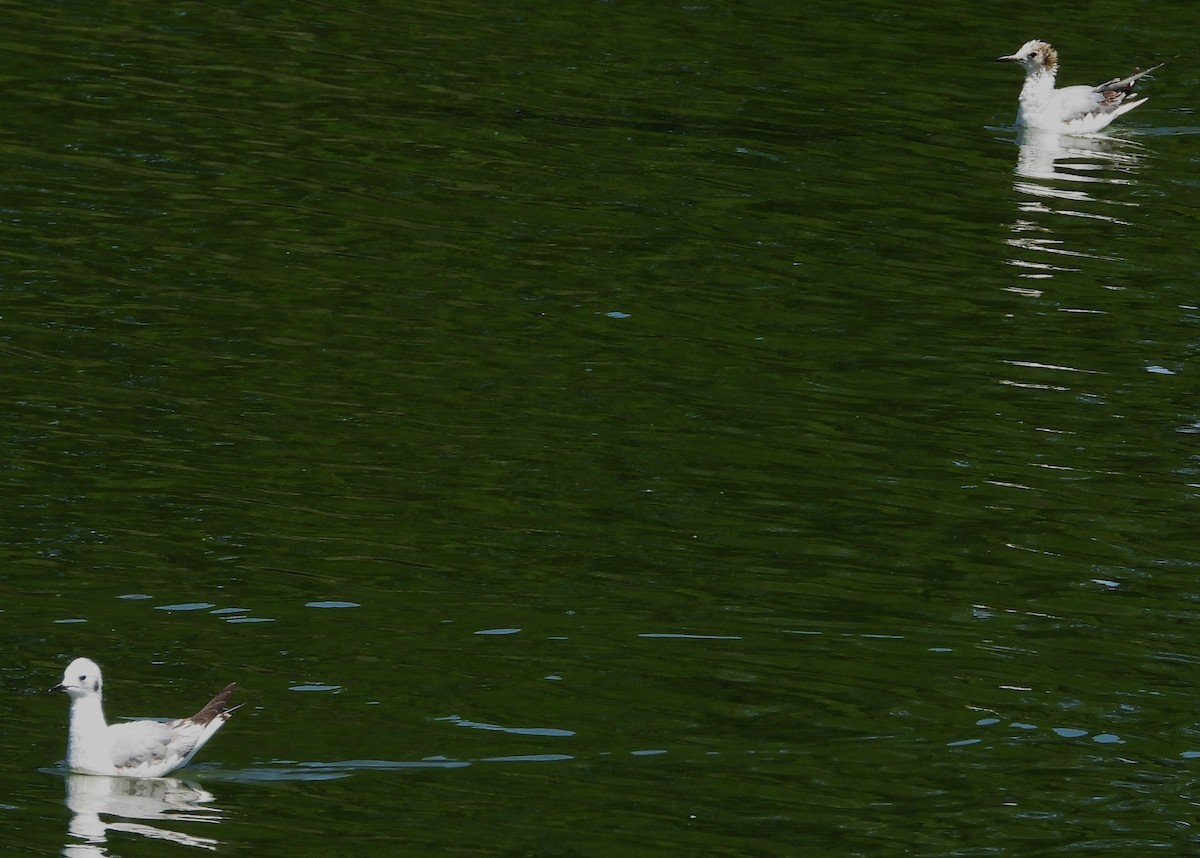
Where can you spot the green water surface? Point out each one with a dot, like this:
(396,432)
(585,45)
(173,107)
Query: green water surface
(599,428)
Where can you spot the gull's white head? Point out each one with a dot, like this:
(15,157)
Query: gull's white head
(1035,56)
(81,679)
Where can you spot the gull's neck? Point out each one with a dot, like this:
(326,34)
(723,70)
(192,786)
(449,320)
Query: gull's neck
(1038,87)
(87,737)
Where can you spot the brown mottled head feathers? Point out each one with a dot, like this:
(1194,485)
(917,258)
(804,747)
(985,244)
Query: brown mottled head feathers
(1035,55)
(1049,56)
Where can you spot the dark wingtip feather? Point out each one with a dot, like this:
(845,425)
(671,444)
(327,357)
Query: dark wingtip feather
(216,706)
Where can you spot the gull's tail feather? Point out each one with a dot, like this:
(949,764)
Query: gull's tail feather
(1125,84)
(216,707)
(1127,106)
(208,721)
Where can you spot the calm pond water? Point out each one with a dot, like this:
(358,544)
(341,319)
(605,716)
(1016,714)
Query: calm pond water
(600,429)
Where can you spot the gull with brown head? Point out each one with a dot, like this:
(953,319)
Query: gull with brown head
(1071,109)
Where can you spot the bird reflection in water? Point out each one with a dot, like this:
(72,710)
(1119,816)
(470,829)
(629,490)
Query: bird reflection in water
(102,805)
(1060,176)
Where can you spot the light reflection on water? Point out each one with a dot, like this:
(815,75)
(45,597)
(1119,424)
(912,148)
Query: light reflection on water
(1060,177)
(147,807)
(291,770)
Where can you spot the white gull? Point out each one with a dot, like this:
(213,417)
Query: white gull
(139,749)
(1072,109)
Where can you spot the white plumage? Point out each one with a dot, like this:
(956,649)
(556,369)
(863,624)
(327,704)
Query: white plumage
(140,749)
(1072,109)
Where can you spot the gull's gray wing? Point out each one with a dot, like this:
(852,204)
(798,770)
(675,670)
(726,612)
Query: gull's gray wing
(1079,102)
(154,748)
(149,744)
(1125,84)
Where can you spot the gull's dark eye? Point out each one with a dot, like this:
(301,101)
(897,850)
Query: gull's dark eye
(1032,54)
(82,677)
